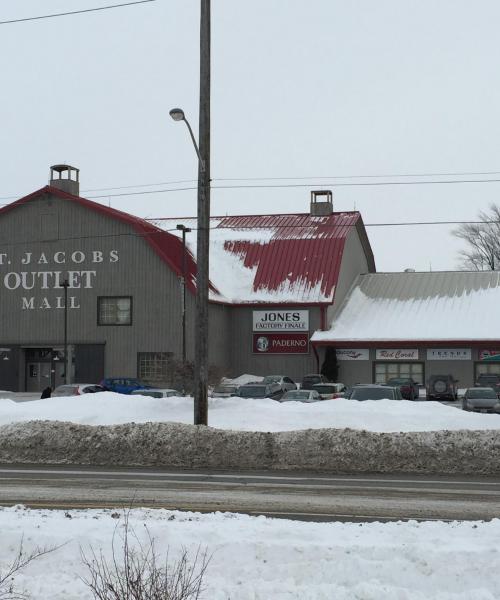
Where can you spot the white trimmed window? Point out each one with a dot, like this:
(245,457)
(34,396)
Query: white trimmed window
(114,310)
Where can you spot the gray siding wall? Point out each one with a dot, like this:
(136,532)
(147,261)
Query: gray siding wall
(51,225)
(353,264)
(243,360)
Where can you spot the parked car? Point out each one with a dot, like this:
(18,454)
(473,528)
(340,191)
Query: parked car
(301,396)
(156,392)
(309,380)
(491,380)
(76,389)
(328,391)
(225,390)
(374,392)
(481,399)
(260,390)
(409,388)
(442,387)
(123,385)
(285,382)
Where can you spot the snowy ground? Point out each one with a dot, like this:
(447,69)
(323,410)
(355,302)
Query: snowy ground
(255,558)
(242,414)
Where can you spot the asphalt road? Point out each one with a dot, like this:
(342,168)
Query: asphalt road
(304,496)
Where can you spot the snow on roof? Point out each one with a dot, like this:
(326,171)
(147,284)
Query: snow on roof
(418,307)
(272,258)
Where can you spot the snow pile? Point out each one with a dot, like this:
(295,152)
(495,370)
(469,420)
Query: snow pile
(258,558)
(244,414)
(242,379)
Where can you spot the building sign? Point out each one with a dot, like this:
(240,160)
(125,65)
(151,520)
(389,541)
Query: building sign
(281,343)
(281,320)
(487,353)
(397,354)
(352,354)
(448,354)
(34,273)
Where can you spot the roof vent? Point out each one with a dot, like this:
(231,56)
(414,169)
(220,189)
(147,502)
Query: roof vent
(321,203)
(65,178)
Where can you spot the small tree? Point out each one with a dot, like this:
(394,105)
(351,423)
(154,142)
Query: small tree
(482,251)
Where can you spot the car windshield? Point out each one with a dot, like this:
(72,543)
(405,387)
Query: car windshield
(253,391)
(480,393)
(297,395)
(368,393)
(272,379)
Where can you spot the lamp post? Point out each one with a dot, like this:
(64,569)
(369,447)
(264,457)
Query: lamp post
(184,230)
(203,233)
(67,379)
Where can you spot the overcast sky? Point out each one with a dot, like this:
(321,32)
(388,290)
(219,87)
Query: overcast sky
(318,90)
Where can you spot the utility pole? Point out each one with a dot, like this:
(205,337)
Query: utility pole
(67,364)
(203,235)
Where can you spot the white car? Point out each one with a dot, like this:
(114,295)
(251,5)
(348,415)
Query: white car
(156,392)
(301,396)
(76,389)
(225,390)
(329,391)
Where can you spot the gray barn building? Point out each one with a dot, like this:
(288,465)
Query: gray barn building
(114,280)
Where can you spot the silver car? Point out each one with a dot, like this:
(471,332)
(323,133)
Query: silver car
(284,382)
(481,399)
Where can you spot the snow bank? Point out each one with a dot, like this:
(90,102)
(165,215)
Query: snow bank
(257,558)
(190,446)
(244,414)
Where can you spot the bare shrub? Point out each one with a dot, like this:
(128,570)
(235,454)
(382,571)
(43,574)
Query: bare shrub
(136,571)
(21,560)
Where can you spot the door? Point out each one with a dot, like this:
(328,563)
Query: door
(38,376)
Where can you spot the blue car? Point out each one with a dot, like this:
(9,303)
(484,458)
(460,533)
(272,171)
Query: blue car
(123,385)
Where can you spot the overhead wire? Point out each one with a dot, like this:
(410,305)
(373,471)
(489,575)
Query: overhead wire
(74,12)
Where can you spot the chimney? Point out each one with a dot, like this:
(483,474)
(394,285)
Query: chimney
(321,203)
(65,178)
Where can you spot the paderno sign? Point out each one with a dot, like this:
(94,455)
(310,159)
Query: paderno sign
(280,332)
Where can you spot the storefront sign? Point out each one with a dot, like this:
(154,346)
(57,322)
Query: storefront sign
(352,354)
(33,273)
(397,354)
(280,320)
(487,353)
(448,354)
(281,343)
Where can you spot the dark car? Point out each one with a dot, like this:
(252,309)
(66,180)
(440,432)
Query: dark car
(442,387)
(408,387)
(311,380)
(491,380)
(374,392)
(481,399)
(123,385)
(260,390)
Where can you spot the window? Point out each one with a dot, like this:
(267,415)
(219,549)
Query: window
(483,368)
(390,370)
(113,310)
(154,367)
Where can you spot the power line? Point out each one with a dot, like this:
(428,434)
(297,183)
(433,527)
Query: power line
(75,12)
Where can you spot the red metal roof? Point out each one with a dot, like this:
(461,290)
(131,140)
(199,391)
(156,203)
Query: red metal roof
(289,258)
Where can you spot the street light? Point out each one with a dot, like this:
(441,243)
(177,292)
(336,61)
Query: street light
(177,114)
(184,230)
(65,285)
(203,222)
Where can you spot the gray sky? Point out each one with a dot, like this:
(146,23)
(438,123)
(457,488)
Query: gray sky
(316,89)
